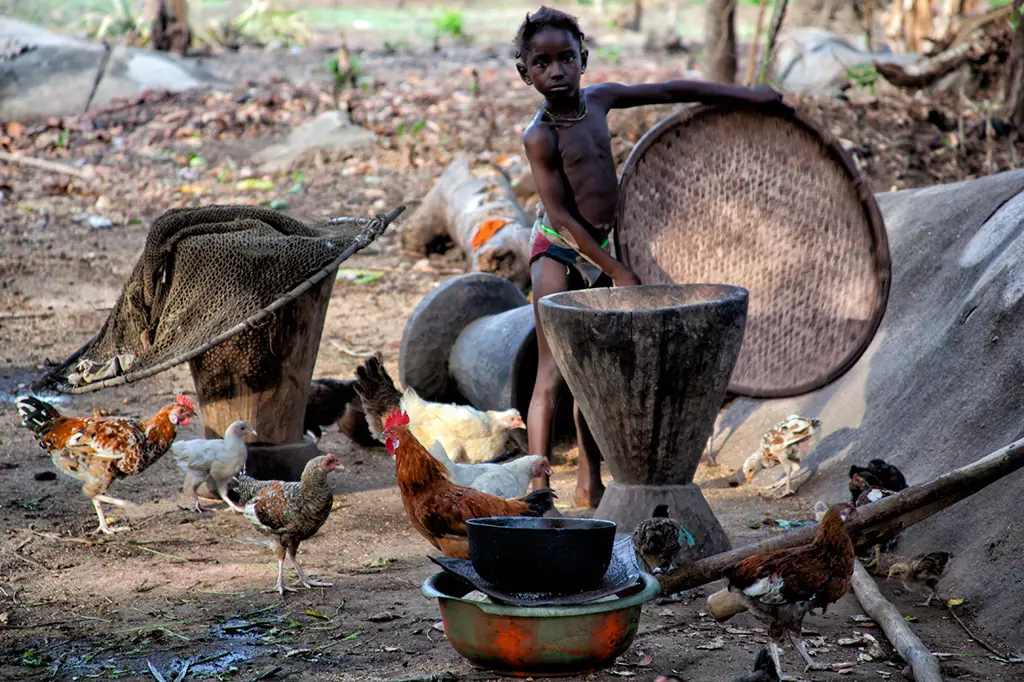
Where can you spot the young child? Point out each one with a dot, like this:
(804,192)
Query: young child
(569,149)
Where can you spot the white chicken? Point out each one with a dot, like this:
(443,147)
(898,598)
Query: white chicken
(213,461)
(466,433)
(469,434)
(785,443)
(506,480)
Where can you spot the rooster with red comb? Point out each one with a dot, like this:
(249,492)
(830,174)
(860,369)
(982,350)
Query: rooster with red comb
(439,509)
(99,450)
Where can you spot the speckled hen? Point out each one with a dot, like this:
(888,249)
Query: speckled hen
(100,450)
(291,512)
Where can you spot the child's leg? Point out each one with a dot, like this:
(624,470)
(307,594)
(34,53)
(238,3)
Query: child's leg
(589,487)
(548,277)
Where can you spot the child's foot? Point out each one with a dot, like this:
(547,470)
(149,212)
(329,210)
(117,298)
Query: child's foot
(590,497)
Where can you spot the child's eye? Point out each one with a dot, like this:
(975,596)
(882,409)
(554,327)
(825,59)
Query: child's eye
(567,58)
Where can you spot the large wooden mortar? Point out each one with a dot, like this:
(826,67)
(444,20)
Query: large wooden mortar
(649,367)
(262,376)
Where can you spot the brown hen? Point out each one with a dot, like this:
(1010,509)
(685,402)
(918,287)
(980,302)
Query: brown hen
(100,450)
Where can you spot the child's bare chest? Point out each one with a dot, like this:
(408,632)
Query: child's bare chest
(587,145)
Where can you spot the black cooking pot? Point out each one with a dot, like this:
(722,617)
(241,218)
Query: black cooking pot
(525,554)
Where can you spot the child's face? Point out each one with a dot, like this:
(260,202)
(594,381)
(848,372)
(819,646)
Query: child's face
(553,64)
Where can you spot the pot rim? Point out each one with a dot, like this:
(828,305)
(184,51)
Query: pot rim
(650,590)
(728,293)
(495,522)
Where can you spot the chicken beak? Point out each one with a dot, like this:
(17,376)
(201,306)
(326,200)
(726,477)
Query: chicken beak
(253,432)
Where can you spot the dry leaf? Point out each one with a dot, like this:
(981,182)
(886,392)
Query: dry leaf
(15,129)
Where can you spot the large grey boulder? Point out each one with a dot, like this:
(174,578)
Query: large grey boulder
(45,74)
(941,385)
(817,62)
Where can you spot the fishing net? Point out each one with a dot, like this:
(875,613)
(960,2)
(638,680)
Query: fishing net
(764,200)
(206,275)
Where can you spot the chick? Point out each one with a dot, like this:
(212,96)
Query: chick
(785,443)
(658,541)
(925,570)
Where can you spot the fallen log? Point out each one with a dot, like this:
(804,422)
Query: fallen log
(909,646)
(961,49)
(890,515)
(474,205)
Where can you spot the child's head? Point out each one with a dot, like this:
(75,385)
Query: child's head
(549,52)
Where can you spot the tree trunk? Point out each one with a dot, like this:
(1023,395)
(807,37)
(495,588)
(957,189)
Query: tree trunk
(474,204)
(1014,105)
(169,25)
(720,40)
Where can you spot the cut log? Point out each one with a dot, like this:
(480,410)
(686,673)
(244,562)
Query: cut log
(890,515)
(920,658)
(473,204)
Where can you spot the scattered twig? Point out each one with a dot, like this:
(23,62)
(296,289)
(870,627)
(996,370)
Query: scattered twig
(662,628)
(348,351)
(909,646)
(44,165)
(446,676)
(984,645)
(266,673)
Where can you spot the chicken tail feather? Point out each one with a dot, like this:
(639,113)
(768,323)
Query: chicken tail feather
(540,501)
(37,415)
(376,389)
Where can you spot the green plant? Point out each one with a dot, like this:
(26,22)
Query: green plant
(450,24)
(863,76)
(120,21)
(261,22)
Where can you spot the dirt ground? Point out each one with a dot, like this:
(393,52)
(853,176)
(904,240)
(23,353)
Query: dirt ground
(187,586)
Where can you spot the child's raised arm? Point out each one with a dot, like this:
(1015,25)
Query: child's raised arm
(543,156)
(619,96)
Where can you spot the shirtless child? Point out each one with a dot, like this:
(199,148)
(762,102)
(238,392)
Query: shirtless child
(570,154)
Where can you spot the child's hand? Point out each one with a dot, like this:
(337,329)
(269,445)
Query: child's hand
(764,94)
(625,278)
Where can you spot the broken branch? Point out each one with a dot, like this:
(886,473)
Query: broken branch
(44,165)
(909,646)
(891,515)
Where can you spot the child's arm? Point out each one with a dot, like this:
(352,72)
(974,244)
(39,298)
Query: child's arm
(543,155)
(619,96)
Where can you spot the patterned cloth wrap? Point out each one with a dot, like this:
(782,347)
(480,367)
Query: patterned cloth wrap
(545,241)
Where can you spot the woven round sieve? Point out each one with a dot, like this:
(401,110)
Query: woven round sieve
(764,200)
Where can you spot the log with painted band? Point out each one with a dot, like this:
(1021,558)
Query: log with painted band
(473,204)
(893,514)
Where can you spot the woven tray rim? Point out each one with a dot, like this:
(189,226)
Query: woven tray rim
(879,239)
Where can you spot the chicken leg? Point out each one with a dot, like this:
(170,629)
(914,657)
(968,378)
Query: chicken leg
(222,490)
(103,527)
(279,586)
(303,578)
(773,649)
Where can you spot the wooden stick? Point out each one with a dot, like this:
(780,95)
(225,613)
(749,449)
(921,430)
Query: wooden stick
(778,14)
(43,164)
(984,645)
(890,515)
(909,646)
(752,62)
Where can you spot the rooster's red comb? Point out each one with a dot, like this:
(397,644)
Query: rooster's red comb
(185,402)
(396,418)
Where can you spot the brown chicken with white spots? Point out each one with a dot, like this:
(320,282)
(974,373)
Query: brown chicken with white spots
(100,450)
(291,512)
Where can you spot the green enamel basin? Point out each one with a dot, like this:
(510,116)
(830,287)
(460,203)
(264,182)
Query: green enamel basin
(542,640)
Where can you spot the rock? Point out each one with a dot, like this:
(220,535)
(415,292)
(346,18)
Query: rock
(815,61)
(330,131)
(56,76)
(939,386)
(98,222)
